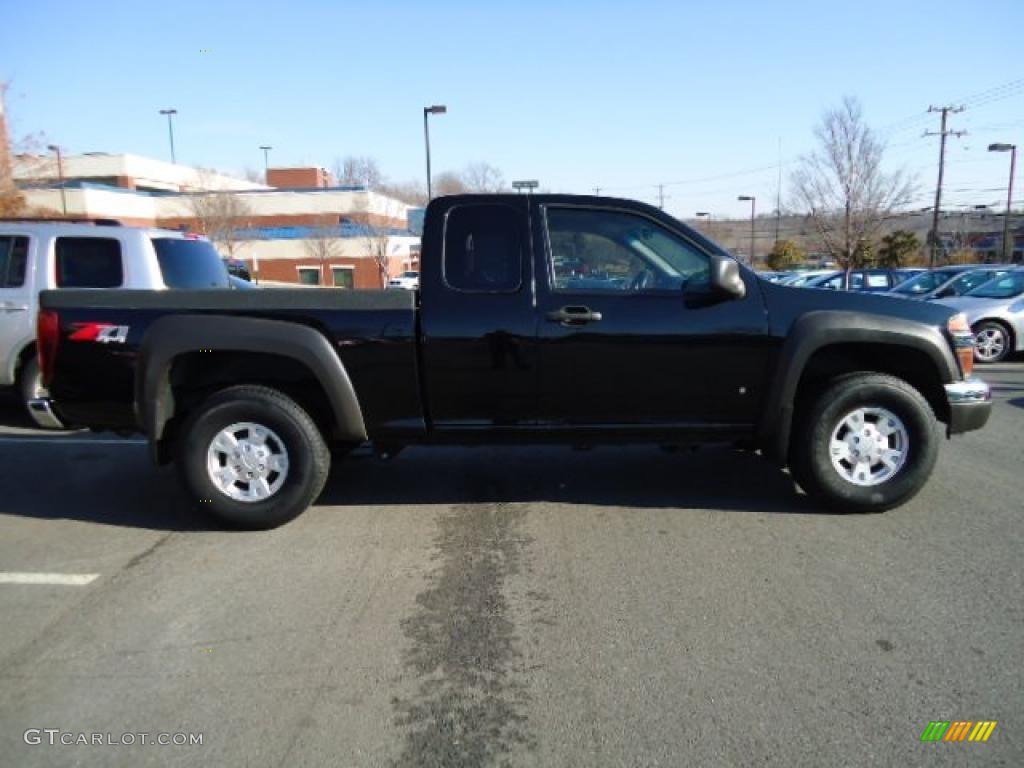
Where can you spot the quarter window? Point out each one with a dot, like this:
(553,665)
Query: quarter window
(89,262)
(483,249)
(618,252)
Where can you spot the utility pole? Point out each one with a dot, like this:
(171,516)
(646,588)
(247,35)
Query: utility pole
(597,191)
(661,196)
(942,134)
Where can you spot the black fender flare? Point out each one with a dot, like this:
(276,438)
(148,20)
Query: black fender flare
(174,335)
(820,329)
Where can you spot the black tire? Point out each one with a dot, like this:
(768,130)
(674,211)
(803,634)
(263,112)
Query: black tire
(995,334)
(811,461)
(308,457)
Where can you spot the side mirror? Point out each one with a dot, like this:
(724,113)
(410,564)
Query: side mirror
(726,278)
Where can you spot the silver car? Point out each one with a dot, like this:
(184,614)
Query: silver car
(995,311)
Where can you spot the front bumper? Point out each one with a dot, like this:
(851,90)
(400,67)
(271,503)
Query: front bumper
(43,413)
(970,405)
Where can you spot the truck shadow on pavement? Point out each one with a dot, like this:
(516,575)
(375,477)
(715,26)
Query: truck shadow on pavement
(116,484)
(642,477)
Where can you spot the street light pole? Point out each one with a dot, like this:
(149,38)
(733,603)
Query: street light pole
(753,202)
(170,129)
(266,161)
(1007,242)
(60,176)
(437,109)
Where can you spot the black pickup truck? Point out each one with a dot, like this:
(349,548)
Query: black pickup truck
(539,319)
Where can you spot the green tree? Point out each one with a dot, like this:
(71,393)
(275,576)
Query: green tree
(898,248)
(784,255)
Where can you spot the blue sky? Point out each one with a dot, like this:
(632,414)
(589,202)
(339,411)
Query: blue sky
(621,96)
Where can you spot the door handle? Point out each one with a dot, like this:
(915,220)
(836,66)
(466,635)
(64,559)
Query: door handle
(10,306)
(571,316)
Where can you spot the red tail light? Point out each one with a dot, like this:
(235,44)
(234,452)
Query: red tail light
(47,338)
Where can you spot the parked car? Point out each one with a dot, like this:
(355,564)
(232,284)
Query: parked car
(408,281)
(946,282)
(680,345)
(866,280)
(995,312)
(773,277)
(42,255)
(802,277)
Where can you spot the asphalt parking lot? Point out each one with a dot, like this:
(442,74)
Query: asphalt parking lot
(491,607)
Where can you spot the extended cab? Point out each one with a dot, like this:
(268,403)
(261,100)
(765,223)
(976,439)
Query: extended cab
(539,319)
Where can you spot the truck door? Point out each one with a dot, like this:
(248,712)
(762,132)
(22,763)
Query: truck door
(622,343)
(17,302)
(478,323)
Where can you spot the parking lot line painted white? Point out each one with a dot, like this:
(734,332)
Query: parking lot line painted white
(56,579)
(66,441)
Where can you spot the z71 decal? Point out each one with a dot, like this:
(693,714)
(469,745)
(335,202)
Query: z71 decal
(103,333)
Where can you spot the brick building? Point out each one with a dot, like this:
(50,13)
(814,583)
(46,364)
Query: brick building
(279,228)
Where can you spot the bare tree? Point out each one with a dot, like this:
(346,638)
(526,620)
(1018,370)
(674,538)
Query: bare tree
(358,171)
(12,202)
(323,244)
(843,187)
(409,192)
(449,183)
(483,177)
(220,216)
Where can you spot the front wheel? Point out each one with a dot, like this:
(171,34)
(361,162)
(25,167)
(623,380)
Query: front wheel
(253,457)
(866,444)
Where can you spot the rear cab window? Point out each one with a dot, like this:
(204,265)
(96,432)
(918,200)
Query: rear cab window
(483,248)
(190,264)
(89,262)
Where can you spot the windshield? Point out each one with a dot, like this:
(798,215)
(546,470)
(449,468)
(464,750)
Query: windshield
(925,282)
(1006,287)
(190,263)
(972,280)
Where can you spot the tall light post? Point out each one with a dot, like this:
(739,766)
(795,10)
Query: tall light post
(1007,242)
(753,203)
(170,129)
(437,109)
(60,176)
(266,161)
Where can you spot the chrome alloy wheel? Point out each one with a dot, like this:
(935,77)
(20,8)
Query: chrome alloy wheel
(869,446)
(990,343)
(247,462)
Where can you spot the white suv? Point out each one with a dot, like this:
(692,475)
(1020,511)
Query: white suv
(42,255)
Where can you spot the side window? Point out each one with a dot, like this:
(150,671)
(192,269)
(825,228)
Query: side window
(89,262)
(616,251)
(13,261)
(483,249)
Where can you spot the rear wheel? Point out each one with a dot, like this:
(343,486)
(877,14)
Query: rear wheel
(991,342)
(253,456)
(867,443)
